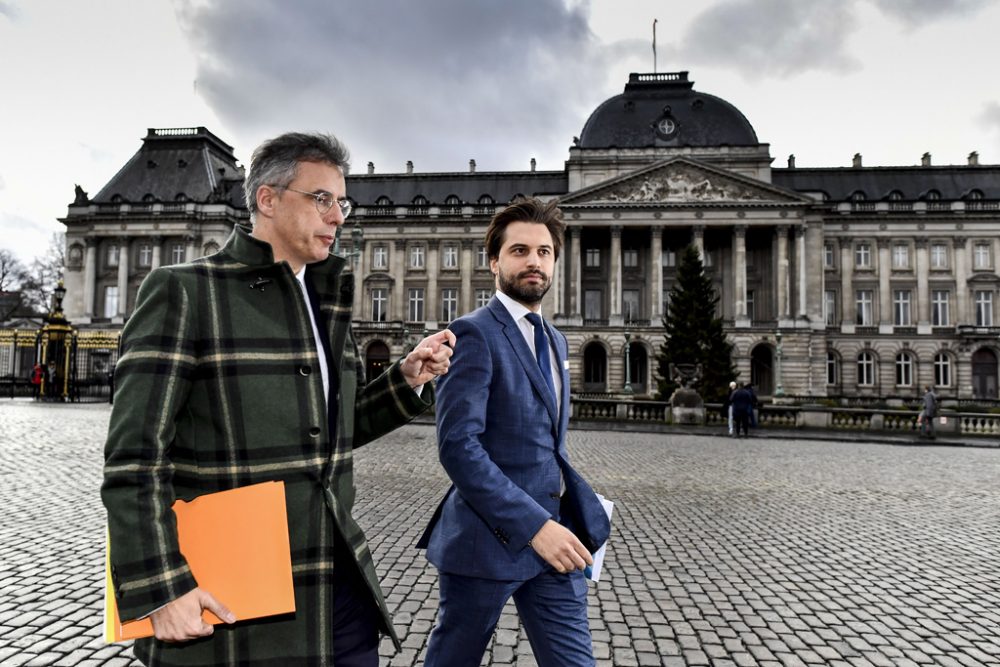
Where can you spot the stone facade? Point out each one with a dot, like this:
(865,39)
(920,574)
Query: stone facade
(834,282)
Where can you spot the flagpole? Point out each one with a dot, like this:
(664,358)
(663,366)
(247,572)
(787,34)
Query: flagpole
(654,46)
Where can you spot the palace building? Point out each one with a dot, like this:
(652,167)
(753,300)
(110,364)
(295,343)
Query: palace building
(834,281)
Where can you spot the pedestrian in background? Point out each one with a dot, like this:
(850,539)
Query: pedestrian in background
(927,414)
(728,406)
(742,406)
(754,403)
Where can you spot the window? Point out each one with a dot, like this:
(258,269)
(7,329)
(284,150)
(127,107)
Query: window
(418,201)
(939,308)
(449,257)
(939,256)
(863,256)
(178,253)
(379,301)
(630,258)
(415,309)
(630,305)
(942,370)
(668,257)
(449,304)
(901,308)
(380,257)
(900,256)
(751,306)
(416,257)
(866,369)
(114,252)
(592,309)
(830,307)
(981,256)
(984,308)
(110,300)
(483,297)
(865,308)
(707,258)
(592,258)
(832,370)
(904,370)
(828,256)
(482,259)
(145,255)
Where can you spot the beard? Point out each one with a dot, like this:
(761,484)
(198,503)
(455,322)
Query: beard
(524,293)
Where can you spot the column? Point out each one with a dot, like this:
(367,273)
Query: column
(656,262)
(191,247)
(465,266)
(575,258)
(740,275)
(123,252)
(884,293)
(157,259)
(846,286)
(781,288)
(359,268)
(431,313)
(90,278)
(800,260)
(698,240)
(961,281)
(923,305)
(398,303)
(616,276)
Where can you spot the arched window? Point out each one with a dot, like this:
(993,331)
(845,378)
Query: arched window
(974,195)
(858,195)
(181,197)
(904,369)
(420,200)
(866,369)
(383,201)
(895,195)
(486,200)
(595,363)
(942,370)
(148,198)
(117,199)
(453,200)
(932,195)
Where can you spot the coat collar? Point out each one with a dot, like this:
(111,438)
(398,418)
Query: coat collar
(248,249)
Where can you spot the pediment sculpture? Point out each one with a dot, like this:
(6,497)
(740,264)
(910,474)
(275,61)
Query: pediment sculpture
(680,185)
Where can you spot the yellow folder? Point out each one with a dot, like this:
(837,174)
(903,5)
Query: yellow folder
(236,544)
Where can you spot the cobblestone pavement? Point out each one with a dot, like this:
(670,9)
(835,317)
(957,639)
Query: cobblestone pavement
(723,552)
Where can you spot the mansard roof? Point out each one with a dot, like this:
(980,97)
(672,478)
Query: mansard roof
(402,189)
(952,182)
(177,164)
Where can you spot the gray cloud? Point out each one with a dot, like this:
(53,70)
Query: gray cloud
(773,37)
(990,116)
(919,12)
(435,81)
(8,9)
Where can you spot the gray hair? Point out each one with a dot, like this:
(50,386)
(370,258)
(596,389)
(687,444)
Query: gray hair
(276,161)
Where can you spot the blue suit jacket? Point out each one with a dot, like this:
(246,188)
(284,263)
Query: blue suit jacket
(502,442)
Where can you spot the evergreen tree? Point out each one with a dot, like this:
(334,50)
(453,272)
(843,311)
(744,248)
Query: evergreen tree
(694,334)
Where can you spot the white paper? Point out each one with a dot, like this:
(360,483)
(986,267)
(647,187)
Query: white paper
(593,572)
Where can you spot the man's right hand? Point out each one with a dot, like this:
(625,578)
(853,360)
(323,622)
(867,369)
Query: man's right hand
(180,620)
(560,548)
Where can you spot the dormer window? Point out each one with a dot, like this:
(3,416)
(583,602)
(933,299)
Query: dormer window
(181,197)
(453,200)
(486,200)
(383,201)
(974,195)
(858,195)
(895,195)
(117,199)
(932,195)
(420,200)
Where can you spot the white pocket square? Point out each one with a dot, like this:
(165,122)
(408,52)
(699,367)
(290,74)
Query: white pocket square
(566,364)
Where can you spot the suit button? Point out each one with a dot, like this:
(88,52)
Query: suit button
(315,431)
(554,496)
(304,370)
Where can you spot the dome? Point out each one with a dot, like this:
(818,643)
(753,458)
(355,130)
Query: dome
(664,110)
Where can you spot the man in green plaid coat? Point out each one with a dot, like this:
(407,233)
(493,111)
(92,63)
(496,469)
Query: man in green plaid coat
(241,368)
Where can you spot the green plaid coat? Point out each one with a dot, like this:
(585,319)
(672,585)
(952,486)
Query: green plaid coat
(218,386)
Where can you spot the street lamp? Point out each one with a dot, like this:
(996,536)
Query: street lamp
(627,389)
(778,389)
(357,234)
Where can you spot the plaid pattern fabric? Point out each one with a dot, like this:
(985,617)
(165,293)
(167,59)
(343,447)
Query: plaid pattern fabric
(218,386)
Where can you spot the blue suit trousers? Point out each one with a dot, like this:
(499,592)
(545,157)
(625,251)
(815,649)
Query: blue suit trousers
(552,607)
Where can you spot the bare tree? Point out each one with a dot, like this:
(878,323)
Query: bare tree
(11,277)
(44,273)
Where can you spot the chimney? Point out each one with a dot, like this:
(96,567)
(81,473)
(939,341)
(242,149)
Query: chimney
(791,161)
(925,160)
(856,162)
(532,164)
(371,167)
(409,166)
(472,166)
(973,159)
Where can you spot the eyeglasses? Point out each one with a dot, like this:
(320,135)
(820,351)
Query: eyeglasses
(324,201)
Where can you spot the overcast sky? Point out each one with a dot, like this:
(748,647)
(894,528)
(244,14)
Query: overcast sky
(441,81)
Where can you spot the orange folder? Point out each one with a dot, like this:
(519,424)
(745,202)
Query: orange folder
(236,544)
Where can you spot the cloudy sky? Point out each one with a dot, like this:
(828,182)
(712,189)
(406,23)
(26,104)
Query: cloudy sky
(442,81)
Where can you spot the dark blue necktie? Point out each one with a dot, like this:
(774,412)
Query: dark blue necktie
(542,350)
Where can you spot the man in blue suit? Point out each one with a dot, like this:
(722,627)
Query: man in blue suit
(518,520)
